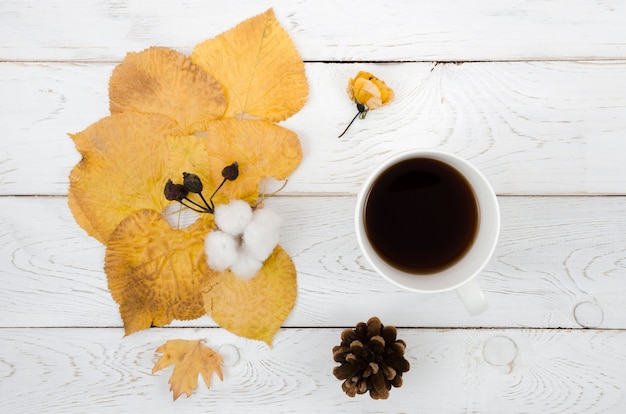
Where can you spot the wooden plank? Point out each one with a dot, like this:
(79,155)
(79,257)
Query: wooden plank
(97,371)
(325,30)
(531,127)
(559,263)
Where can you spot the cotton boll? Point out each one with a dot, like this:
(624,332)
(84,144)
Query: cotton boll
(261,235)
(221,249)
(233,217)
(246,266)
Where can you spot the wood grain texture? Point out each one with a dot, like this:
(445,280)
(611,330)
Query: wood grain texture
(323,30)
(488,371)
(531,127)
(559,263)
(539,105)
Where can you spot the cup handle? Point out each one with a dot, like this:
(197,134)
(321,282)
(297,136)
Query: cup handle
(472,297)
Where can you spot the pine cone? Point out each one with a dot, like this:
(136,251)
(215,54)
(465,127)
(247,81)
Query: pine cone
(371,359)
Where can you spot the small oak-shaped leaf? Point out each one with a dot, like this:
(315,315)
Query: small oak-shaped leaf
(156,273)
(190,359)
(123,170)
(261,149)
(259,68)
(164,81)
(254,308)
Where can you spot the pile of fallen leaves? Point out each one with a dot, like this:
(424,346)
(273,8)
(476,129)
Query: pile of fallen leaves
(173,114)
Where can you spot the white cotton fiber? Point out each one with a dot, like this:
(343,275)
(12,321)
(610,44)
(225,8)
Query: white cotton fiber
(222,250)
(246,266)
(262,234)
(232,218)
(244,240)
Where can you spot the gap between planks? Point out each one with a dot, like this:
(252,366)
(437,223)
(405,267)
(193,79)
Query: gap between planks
(352,62)
(303,328)
(353,195)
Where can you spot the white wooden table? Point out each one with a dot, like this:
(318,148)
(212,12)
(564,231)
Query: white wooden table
(532,93)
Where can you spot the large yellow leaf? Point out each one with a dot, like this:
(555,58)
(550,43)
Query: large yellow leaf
(190,359)
(259,68)
(254,308)
(163,81)
(188,154)
(122,170)
(261,148)
(156,273)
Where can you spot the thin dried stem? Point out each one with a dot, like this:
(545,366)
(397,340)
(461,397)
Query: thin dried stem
(265,196)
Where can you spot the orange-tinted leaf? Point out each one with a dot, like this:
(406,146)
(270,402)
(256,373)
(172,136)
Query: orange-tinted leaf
(190,359)
(254,308)
(261,148)
(122,170)
(163,81)
(259,68)
(155,272)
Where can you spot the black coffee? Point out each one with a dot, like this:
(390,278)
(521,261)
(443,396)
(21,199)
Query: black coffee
(421,216)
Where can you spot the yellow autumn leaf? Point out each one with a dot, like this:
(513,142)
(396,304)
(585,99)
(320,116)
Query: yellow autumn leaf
(122,170)
(156,273)
(259,68)
(190,359)
(164,81)
(187,154)
(170,116)
(262,150)
(254,308)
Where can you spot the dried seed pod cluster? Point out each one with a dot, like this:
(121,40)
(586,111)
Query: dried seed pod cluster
(371,359)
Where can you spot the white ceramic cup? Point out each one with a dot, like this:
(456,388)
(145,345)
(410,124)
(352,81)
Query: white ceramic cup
(460,276)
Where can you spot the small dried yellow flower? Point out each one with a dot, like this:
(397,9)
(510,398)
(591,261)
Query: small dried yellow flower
(368,92)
